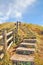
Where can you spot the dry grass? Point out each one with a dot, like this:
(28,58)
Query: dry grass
(24,31)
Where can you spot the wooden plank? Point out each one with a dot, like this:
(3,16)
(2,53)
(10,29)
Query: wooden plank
(9,33)
(17,57)
(1,48)
(5,39)
(2,55)
(9,45)
(9,39)
(24,49)
(30,40)
(1,37)
(28,44)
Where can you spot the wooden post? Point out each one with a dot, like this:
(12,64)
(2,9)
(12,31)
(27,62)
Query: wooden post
(13,36)
(17,26)
(5,39)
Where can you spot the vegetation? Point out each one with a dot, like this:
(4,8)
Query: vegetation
(24,31)
(6,59)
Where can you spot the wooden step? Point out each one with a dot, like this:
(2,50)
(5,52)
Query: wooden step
(25,49)
(17,57)
(29,40)
(28,44)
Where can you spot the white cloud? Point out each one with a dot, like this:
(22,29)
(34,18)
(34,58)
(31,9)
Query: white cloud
(18,14)
(14,9)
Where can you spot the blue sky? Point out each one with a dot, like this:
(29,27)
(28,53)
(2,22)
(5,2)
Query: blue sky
(29,11)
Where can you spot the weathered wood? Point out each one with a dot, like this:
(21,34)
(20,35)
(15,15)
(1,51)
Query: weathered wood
(1,37)
(10,39)
(13,36)
(24,49)
(29,40)
(17,57)
(9,45)
(28,44)
(1,56)
(1,48)
(5,39)
(9,33)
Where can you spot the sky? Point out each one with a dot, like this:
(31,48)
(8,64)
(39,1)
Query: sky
(28,11)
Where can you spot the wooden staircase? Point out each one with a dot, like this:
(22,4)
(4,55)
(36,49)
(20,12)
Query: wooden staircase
(25,52)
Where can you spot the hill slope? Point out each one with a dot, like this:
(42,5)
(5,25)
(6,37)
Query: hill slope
(26,31)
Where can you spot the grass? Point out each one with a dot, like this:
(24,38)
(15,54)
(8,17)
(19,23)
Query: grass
(24,31)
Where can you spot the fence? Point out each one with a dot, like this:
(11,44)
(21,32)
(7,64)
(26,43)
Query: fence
(8,38)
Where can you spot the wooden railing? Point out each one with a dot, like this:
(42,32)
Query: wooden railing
(8,38)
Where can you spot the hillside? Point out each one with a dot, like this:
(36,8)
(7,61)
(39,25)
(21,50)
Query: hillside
(26,31)
(23,27)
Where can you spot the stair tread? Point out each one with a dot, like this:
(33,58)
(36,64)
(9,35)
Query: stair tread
(25,49)
(17,57)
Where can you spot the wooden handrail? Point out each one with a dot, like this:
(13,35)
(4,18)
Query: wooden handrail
(1,56)
(5,39)
(1,37)
(9,45)
(9,33)
(10,39)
